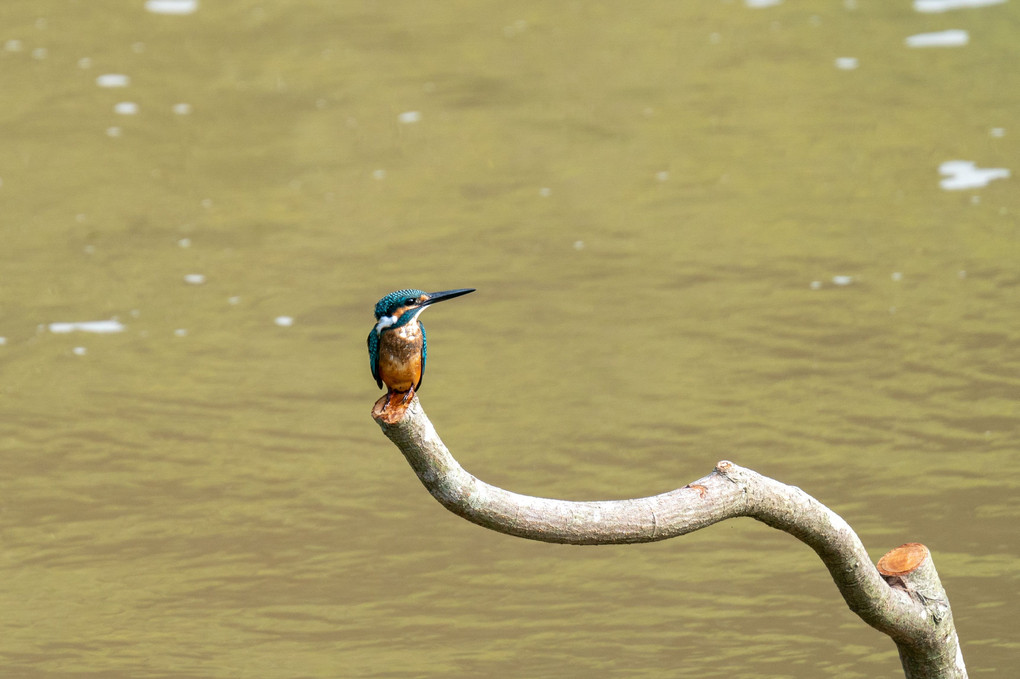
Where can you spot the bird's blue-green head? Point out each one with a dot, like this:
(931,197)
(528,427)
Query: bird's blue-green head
(403,306)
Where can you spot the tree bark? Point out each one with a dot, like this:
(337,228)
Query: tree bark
(902,598)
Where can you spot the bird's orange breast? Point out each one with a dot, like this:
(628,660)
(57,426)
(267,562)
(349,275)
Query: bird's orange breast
(400,357)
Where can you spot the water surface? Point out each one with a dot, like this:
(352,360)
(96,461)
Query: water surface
(698,232)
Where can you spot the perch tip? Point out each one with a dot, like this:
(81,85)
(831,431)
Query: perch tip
(388,410)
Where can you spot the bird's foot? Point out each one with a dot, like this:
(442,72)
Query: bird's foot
(391,408)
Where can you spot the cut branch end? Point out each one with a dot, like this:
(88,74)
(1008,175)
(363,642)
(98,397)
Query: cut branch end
(903,560)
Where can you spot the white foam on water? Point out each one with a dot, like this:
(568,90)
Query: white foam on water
(939,6)
(954,37)
(964,174)
(101,327)
(125,108)
(113,80)
(179,7)
(284,321)
(194,279)
(408,117)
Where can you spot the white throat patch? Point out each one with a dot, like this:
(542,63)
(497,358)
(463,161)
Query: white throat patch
(387,321)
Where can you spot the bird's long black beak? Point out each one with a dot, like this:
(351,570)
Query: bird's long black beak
(434,297)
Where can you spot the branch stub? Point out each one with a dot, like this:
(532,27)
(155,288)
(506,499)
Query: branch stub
(903,560)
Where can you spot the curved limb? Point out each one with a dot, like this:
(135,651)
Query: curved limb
(921,626)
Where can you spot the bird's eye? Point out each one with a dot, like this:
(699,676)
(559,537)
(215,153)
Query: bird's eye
(410,300)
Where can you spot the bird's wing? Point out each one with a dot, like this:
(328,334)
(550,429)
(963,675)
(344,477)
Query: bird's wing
(373,355)
(424,354)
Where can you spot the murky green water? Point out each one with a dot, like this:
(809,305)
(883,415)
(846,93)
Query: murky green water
(695,236)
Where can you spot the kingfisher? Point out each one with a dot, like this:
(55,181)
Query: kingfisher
(397,347)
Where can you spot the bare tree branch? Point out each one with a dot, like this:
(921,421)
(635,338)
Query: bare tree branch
(905,600)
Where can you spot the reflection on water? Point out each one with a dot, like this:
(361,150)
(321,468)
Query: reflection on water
(697,233)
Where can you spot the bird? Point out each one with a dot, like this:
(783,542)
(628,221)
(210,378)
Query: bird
(397,347)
